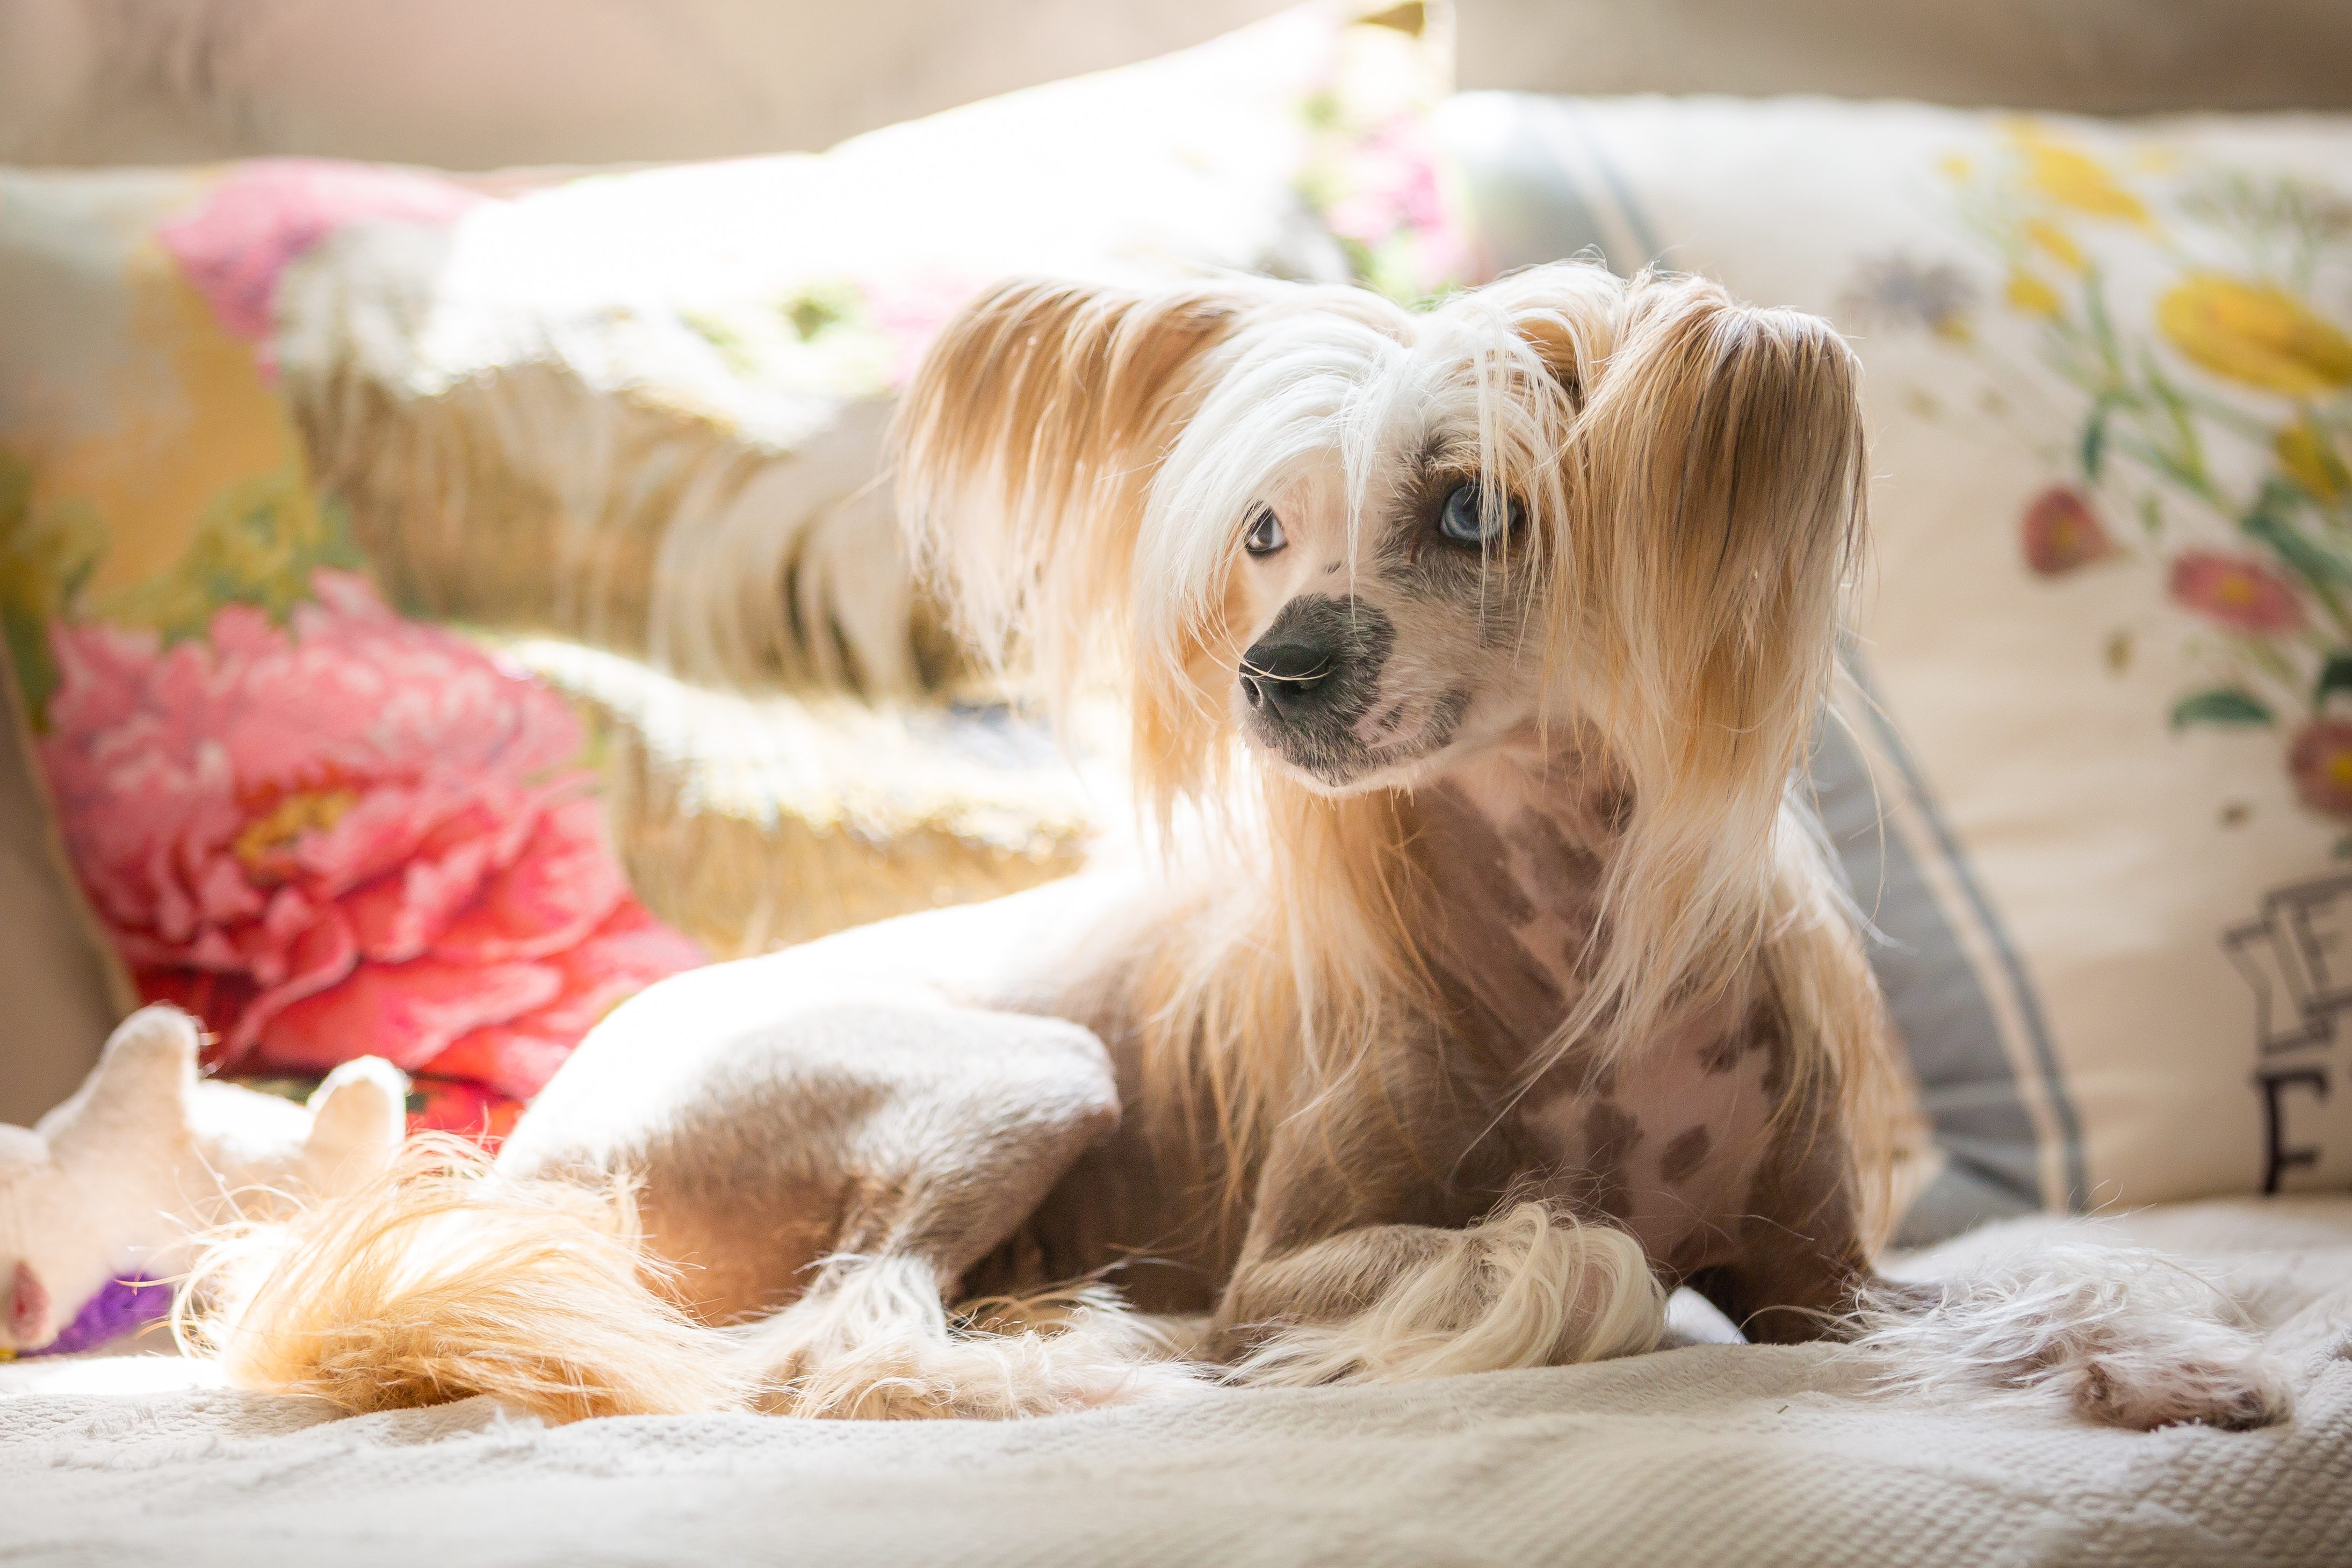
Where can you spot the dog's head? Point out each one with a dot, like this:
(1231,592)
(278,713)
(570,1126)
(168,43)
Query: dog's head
(1370,542)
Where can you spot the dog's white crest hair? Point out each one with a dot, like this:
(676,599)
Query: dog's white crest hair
(1078,466)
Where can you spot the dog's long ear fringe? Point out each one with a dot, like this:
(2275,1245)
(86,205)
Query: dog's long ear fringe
(1721,464)
(1025,445)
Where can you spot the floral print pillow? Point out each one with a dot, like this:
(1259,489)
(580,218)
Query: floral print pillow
(2094,786)
(2212,425)
(344,827)
(325,829)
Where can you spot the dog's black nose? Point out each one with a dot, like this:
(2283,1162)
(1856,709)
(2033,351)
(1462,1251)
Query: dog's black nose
(1287,676)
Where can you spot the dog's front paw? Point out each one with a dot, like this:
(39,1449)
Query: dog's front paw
(2146,1388)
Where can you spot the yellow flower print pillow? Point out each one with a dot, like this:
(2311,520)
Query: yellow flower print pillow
(2095,787)
(2214,415)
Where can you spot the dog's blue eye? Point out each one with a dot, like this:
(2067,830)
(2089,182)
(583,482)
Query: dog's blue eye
(1465,520)
(1265,537)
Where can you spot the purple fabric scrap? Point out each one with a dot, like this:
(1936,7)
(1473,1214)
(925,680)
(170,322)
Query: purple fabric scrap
(121,1307)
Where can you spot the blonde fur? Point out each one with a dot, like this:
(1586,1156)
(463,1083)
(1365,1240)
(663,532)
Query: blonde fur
(1529,1288)
(1722,472)
(873,1341)
(447,1279)
(1030,444)
(444,1280)
(2123,1335)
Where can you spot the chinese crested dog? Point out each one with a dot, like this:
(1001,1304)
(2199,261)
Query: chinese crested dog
(1487,980)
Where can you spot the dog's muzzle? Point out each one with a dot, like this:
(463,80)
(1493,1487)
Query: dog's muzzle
(1313,675)
(1288,678)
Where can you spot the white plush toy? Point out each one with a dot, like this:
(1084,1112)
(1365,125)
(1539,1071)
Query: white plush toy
(102,1195)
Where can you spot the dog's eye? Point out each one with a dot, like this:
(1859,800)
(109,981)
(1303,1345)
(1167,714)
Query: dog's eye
(1265,537)
(1465,520)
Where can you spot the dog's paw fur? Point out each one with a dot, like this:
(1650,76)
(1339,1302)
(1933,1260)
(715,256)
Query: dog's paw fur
(976,1377)
(2124,1337)
(2161,1386)
(876,1344)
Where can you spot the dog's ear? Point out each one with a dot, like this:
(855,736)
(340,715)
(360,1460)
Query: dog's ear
(1026,445)
(1720,470)
(1722,449)
(1567,312)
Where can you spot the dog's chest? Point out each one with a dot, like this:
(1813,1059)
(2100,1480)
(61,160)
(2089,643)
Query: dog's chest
(1668,1141)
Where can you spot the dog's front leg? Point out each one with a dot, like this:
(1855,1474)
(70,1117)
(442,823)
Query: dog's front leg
(1333,1286)
(1530,1286)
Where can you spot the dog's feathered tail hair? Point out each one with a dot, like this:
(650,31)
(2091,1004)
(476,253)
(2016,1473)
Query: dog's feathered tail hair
(442,1281)
(447,1279)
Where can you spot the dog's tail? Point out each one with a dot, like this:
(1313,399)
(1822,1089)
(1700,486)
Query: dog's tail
(444,1278)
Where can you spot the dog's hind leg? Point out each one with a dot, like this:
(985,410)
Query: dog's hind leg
(711,1153)
(939,1129)
(2124,1336)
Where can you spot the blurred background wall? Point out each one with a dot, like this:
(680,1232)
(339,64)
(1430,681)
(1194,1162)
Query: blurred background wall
(2098,57)
(476,84)
(480,84)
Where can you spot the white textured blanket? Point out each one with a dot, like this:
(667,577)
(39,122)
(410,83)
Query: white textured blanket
(1707,1454)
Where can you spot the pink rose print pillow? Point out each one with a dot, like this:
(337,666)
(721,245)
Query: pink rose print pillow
(347,829)
(233,246)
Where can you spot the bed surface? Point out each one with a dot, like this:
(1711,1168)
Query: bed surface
(1707,1453)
